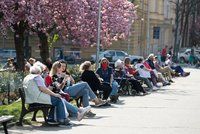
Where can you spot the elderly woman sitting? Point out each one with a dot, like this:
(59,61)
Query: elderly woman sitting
(37,92)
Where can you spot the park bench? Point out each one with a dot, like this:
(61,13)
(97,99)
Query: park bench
(165,75)
(35,107)
(4,120)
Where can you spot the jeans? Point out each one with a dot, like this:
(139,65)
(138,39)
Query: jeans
(81,89)
(106,88)
(115,87)
(60,110)
(146,81)
(71,109)
(178,69)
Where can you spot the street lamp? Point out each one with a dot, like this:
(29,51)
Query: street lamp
(98,34)
(148,30)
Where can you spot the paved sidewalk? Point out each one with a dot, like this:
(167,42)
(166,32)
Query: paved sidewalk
(174,109)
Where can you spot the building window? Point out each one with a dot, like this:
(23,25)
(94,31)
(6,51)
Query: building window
(58,53)
(156,32)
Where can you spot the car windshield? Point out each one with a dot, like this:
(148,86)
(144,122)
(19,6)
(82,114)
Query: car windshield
(120,54)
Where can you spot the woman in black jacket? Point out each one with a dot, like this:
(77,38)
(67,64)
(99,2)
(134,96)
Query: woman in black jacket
(94,82)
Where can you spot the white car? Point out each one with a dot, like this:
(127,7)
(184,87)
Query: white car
(184,56)
(114,55)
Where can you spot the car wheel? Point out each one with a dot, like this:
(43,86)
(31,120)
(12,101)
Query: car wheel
(182,60)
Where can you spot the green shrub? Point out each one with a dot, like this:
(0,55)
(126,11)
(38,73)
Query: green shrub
(10,82)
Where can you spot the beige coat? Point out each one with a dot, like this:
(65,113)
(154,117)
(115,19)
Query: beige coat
(32,92)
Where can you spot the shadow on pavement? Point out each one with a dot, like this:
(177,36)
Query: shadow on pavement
(43,127)
(172,91)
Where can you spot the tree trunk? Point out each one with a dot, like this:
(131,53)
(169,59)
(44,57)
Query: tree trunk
(44,47)
(19,44)
(176,34)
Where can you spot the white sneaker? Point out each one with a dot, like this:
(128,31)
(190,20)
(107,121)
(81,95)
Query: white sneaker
(82,112)
(155,88)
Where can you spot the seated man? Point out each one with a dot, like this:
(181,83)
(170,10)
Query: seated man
(178,69)
(37,92)
(165,69)
(149,63)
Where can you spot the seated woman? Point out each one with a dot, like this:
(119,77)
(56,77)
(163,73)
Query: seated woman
(37,92)
(121,77)
(106,73)
(91,78)
(129,69)
(146,73)
(178,69)
(81,89)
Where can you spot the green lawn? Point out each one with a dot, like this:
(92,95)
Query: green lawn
(15,110)
(12,109)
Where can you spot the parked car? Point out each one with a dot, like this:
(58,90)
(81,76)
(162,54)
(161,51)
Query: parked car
(184,56)
(114,55)
(7,53)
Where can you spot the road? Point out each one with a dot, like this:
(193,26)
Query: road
(174,109)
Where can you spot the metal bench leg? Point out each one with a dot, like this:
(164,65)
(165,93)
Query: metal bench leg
(45,114)
(34,116)
(5,127)
(23,113)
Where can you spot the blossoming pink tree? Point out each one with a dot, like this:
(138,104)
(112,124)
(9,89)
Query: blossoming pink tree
(72,19)
(79,21)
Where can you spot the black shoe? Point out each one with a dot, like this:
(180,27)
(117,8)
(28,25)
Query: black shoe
(113,98)
(90,114)
(171,81)
(52,122)
(166,83)
(65,124)
(107,104)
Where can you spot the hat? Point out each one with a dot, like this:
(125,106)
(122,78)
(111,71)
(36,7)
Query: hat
(118,63)
(151,55)
(41,65)
(168,55)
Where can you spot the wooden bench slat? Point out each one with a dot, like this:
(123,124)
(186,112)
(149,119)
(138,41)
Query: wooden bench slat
(6,118)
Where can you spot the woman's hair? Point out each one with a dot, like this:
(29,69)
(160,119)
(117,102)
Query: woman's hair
(104,59)
(35,69)
(32,60)
(53,70)
(85,66)
(66,70)
(139,60)
(127,60)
